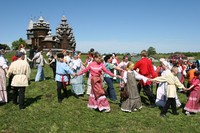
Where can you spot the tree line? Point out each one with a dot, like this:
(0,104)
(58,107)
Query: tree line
(151,50)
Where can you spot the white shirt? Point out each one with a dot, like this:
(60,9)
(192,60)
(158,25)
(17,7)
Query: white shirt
(3,62)
(137,76)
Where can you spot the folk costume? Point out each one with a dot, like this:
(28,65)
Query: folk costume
(172,83)
(133,102)
(3,92)
(62,71)
(146,69)
(193,103)
(161,94)
(77,82)
(97,98)
(21,71)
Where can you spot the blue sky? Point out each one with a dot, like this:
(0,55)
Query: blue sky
(111,25)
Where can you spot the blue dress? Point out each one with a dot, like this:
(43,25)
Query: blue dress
(77,82)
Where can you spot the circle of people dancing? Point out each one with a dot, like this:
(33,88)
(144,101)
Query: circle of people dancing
(68,69)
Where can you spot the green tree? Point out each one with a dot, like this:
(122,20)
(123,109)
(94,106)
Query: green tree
(151,51)
(16,44)
(4,46)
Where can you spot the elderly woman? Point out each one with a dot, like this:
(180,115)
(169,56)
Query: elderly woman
(3,69)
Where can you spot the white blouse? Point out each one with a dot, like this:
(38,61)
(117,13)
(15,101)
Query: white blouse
(137,76)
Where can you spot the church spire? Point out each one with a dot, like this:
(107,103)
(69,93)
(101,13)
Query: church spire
(30,25)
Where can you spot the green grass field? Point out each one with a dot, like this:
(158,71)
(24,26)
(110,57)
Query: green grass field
(43,114)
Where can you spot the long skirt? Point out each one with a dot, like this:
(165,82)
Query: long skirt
(77,84)
(193,103)
(161,97)
(97,98)
(3,92)
(133,102)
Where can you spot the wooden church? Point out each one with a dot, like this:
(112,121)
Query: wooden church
(39,35)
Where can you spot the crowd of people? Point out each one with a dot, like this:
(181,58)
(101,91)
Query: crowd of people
(159,83)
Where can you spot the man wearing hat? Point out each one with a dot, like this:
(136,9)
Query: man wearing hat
(21,71)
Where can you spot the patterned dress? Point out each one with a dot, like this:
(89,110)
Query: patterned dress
(97,98)
(193,103)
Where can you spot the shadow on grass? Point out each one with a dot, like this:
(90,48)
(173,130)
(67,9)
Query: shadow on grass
(1,104)
(69,93)
(182,107)
(30,101)
(33,79)
(48,78)
(145,100)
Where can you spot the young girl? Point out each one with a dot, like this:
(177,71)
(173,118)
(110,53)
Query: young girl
(97,98)
(133,102)
(193,103)
(173,82)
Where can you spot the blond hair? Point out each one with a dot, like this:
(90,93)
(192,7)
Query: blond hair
(129,66)
(174,69)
